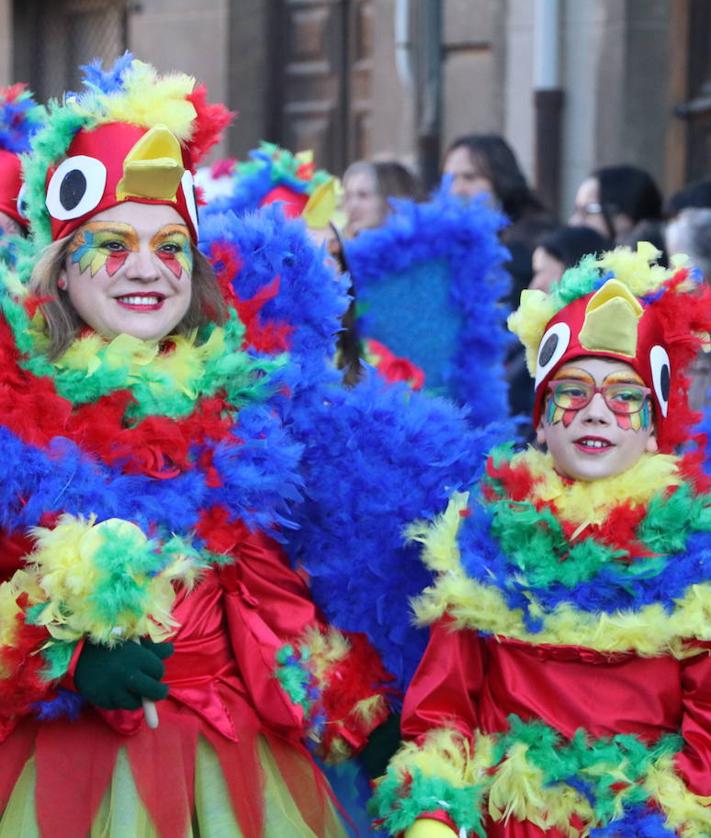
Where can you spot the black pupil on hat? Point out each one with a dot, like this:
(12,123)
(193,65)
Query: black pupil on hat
(72,189)
(547,350)
(665,382)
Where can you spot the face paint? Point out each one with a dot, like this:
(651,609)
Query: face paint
(172,246)
(99,244)
(561,412)
(640,419)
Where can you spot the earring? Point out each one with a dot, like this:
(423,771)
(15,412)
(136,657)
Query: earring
(62,283)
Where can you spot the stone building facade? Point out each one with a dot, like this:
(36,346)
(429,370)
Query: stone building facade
(401,78)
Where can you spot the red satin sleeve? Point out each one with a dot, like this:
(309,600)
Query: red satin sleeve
(14,546)
(446,687)
(263,573)
(694,762)
(266,605)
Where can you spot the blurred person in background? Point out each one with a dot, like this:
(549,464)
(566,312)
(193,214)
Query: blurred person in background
(690,233)
(368,187)
(484,164)
(695,195)
(688,227)
(614,200)
(562,249)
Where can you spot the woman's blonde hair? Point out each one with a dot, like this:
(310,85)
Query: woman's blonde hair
(63,323)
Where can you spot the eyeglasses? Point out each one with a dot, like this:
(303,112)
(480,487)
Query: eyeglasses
(584,210)
(623,398)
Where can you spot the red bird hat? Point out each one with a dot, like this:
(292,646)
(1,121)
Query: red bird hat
(625,307)
(120,162)
(609,323)
(130,135)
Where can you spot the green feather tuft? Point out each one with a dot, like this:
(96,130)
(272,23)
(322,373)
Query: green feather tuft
(397,805)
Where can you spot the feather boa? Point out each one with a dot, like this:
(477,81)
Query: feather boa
(250,254)
(614,565)
(610,786)
(375,458)
(151,441)
(361,447)
(441,264)
(338,682)
(20,118)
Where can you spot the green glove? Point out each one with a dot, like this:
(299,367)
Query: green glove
(118,678)
(382,744)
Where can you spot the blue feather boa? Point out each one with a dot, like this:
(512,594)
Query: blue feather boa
(258,479)
(312,298)
(376,458)
(459,241)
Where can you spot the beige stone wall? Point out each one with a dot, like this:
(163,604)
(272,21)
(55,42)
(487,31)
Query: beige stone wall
(615,78)
(186,35)
(518,91)
(474,51)
(392,118)
(6,71)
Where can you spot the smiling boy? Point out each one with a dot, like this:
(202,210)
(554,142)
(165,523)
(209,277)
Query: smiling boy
(566,688)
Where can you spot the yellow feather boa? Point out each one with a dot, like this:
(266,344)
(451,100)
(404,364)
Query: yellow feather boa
(516,788)
(649,631)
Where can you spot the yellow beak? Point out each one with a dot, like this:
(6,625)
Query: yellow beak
(611,320)
(153,167)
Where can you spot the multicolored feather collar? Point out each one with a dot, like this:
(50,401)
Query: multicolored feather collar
(621,564)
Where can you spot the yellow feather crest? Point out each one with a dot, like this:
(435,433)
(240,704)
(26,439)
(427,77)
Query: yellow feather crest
(147,100)
(529,322)
(634,268)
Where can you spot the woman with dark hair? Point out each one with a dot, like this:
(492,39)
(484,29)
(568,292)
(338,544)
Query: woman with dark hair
(368,186)
(484,164)
(561,249)
(481,164)
(614,199)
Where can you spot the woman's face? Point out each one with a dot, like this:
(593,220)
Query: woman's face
(588,212)
(129,271)
(546,270)
(467,177)
(362,202)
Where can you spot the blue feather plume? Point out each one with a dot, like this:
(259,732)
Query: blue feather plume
(20,118)
(107,81)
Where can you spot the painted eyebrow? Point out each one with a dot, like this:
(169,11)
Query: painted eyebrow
(171,230)
(117,231)
(623,378)
(573,374)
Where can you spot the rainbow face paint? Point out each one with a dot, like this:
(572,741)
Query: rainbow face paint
(628,389)
(624,394)
(171,245)
(102,244)
(563,401)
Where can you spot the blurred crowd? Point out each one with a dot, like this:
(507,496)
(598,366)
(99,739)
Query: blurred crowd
(614,205)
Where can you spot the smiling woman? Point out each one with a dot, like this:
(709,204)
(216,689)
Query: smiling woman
(130,269)
(154,473)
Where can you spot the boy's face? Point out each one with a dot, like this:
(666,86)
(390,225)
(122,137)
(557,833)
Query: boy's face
(595,440)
